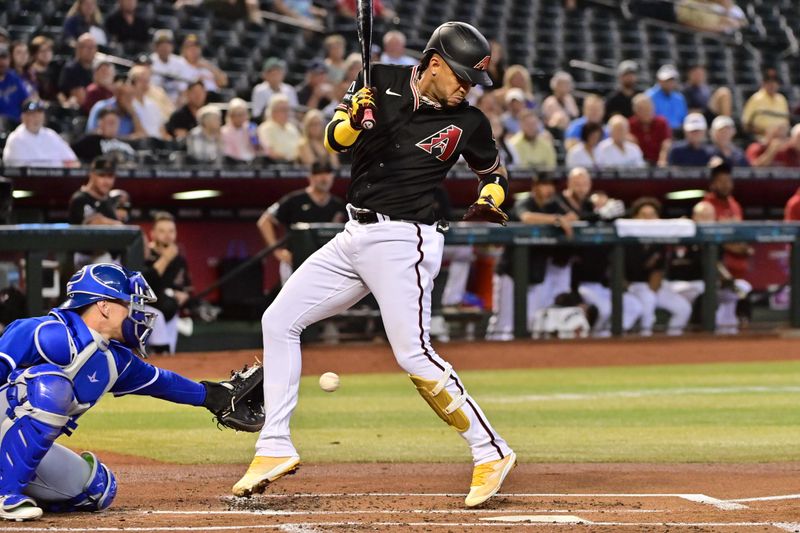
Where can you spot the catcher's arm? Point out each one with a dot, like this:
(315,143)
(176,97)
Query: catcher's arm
(491,195)
(238,403)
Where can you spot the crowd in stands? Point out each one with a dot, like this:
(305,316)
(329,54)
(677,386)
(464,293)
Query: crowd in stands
(163,92)
(679,121)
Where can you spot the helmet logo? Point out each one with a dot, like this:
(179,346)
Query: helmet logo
(483,64)
(443,143)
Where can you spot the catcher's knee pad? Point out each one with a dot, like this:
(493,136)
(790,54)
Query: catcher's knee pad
(99,488)
(440,400)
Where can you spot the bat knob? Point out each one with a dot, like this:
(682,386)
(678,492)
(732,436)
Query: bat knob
(369,120)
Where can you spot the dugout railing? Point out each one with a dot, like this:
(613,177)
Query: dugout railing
(306,238)
(37,241)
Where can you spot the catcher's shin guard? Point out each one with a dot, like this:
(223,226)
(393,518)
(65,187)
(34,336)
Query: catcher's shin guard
(440,400)
(99,487)
(39,399)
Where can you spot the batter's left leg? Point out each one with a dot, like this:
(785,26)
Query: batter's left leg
(400,271)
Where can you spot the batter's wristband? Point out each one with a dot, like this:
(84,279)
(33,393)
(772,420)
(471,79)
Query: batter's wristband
(340,136)
(494,179)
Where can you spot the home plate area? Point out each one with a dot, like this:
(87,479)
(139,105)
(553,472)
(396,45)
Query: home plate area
(426,497)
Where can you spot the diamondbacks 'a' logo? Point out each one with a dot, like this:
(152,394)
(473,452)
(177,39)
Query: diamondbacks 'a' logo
(483,64)
(443,143)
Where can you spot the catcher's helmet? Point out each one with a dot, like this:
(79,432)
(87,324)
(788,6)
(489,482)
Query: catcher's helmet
(106,281)
(464,50)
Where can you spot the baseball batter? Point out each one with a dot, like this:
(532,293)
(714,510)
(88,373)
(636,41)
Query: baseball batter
(392,245)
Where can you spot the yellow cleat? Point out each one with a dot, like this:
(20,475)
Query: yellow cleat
(487,479)
(262,472)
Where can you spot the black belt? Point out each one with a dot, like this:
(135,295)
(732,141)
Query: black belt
(364,216)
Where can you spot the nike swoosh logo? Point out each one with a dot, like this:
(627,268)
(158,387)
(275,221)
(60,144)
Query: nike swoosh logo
(390,93)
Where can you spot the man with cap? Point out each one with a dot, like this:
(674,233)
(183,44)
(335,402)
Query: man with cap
(315,203)
(620,102)
(13,91)
(392,245)
(723,130)
(315,91)
(667,99)
(104,140)
(35,145)
(92,205)
(273,73)
(694,150)
(170,70)
(199,68)
(767,108)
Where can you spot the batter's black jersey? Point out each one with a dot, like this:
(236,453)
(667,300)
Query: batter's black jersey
(298,206)
(398,164)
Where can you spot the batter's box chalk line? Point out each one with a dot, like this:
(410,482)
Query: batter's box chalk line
(725,505)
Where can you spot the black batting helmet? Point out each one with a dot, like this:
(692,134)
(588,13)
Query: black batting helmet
(464,50)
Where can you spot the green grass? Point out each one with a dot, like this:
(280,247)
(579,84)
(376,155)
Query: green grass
(679,413)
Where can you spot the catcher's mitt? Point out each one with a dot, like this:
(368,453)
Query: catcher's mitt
(485,210)
(238,403)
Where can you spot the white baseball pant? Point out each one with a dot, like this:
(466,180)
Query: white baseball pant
(599,295)
(556,281)
(397,262)
(665,298)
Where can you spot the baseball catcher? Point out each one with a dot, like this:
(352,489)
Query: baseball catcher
(54,368)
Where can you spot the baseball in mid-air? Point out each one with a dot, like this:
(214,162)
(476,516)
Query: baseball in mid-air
(329,381)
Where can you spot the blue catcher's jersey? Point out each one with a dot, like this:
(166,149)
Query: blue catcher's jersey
(63,339)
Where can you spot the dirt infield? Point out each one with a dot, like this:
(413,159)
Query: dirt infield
(429,497)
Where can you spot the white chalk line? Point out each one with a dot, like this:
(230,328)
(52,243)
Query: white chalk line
(725,505)
(281,512)
(768,498)
(306,525)
(787,526)
(640,393)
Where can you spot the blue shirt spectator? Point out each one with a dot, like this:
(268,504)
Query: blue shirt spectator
(575,129)
(667,100)
(594,110)
(13,92)
(126,126)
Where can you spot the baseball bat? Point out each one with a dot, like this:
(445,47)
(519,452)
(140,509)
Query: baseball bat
(364,22)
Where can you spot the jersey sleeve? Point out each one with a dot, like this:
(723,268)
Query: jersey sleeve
(17,347)
(481,151)
(141,378)
(80,209)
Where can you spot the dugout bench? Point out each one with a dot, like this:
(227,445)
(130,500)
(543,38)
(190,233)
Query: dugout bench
(306,238)
(37,240)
